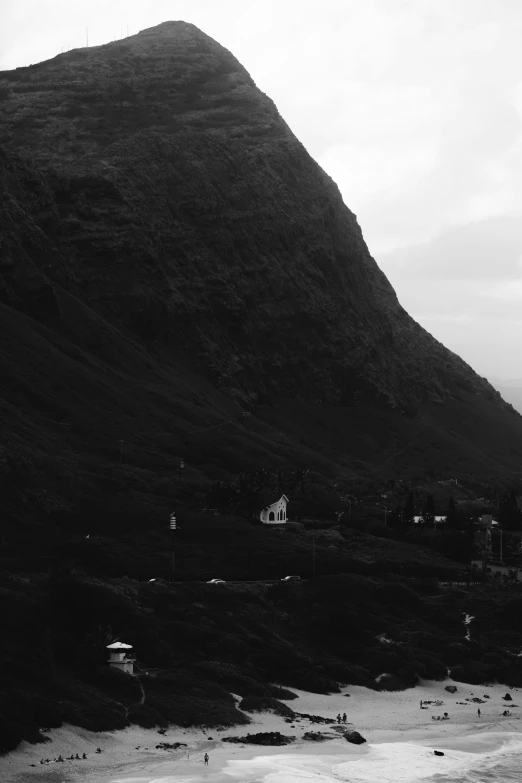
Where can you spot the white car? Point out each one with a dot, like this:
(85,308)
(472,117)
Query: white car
(216,582)
(290,578)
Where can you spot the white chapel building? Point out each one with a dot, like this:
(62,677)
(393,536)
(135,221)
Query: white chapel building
(274,513)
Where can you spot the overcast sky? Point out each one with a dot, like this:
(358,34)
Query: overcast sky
(412,106)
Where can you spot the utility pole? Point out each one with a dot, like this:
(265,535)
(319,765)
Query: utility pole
(486,551)
(386,509)
(173,527)
(349,498)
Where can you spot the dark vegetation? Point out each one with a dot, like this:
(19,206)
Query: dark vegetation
(265,704)
(196,644)
(179,279)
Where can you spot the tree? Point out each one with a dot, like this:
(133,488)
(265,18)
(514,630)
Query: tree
(452,515)
(429,510)
(395,517)
(408,512)
(509,515)
(222,496)
(298,479)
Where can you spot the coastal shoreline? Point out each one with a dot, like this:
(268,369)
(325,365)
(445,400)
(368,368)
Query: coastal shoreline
(381,717)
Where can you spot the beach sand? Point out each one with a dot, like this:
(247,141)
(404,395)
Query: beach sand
(381,717)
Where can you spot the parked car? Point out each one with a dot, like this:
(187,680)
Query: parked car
(216,582)
(290,578)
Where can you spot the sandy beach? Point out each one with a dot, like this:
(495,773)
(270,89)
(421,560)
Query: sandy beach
(382,718)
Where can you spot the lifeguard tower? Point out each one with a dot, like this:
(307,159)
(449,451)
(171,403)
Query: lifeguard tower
(120,657)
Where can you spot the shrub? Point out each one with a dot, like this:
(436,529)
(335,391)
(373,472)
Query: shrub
(116,684)
(231,677)
(266,704)
(456,653)
(434,669)
(147,717)
(349,675)
(308,680)
(11,734)
(281,693)
(472,672)
(186,700)
(391,682)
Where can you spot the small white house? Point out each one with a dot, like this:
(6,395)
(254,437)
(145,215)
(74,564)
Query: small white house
(274,513)
(437,520)
(119,657)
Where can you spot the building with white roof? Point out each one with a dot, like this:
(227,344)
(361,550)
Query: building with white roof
(120,657)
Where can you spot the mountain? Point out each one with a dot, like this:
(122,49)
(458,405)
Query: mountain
(179,278)
(511,391)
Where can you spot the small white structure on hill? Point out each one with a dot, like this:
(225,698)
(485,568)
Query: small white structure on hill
(436,519)
(119,657)
(274,513)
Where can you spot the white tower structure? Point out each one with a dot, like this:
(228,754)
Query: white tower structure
(120,658)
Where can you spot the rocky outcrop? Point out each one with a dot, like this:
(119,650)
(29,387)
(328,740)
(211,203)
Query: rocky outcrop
(261,738)
(354,737)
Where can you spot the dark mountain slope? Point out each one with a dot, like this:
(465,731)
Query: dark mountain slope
(185,197)
(511,393)
(170,256)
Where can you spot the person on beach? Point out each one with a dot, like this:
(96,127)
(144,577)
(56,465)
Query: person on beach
(344,717)
(478,712)
(84,755)
(205,757)
(339,718)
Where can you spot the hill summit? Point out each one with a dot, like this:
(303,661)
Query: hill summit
(172,258)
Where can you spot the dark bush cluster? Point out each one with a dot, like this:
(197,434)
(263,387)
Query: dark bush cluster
(199,645)
(266,704)
(231,677)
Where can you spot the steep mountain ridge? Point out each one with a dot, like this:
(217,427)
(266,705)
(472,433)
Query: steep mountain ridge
(181,185)
(511,392)
(172,255)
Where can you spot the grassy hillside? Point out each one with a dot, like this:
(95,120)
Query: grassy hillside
(195,643)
